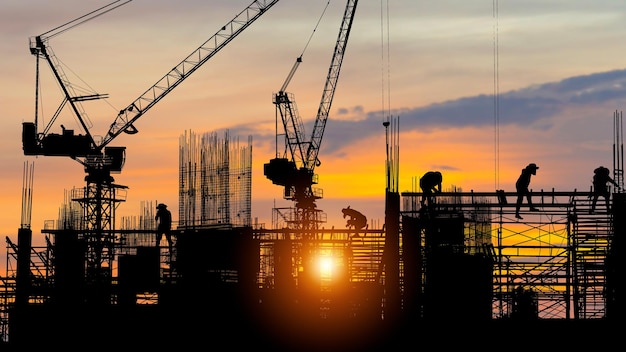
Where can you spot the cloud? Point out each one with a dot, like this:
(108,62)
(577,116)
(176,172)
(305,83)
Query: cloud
(533,106)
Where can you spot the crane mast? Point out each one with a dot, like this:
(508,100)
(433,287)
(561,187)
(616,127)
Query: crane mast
(296,174)
(101,196)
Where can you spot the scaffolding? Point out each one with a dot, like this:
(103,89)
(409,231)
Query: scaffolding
(556,256)
(473,258)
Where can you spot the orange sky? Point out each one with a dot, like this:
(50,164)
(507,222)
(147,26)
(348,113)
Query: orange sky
(431,54)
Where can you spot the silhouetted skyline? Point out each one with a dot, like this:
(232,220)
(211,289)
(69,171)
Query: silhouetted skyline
(560,80)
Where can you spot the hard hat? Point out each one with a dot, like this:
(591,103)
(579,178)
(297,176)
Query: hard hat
(161,205)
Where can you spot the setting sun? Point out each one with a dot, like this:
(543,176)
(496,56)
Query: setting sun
(326,267)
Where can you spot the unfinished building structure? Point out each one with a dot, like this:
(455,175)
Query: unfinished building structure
(556,264)
(464,259)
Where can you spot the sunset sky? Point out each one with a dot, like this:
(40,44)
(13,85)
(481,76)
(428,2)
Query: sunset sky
(557,66)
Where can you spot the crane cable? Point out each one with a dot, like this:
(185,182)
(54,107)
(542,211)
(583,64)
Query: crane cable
(392,148)
(496,97)
(65,27)
(283,88)
(382,53)
(84,18)
(314,29)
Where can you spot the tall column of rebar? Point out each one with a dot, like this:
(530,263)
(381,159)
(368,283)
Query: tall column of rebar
(215,181)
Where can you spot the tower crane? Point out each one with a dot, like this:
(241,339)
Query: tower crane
(293,167)
(98,158)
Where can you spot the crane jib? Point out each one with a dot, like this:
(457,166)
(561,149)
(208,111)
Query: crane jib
(82,147)
(186,67)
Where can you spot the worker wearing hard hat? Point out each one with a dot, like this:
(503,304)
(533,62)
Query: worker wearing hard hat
(522,188)
(430,183)
(164,217)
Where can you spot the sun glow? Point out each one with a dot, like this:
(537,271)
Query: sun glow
(329,265)
(326,266)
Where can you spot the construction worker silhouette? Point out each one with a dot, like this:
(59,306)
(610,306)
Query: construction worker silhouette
(164,227)
(430,183)
(600,179)
(356,220)
(522,188)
